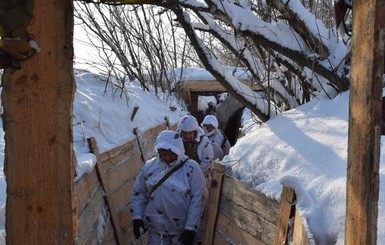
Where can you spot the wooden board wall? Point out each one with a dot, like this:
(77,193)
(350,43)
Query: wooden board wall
(245,216)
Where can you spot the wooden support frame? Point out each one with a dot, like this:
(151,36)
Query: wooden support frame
(212,209)
(367,69)
(287,212)
(37,101)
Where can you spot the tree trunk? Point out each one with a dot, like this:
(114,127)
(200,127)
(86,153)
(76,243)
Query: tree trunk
(365,122)
(37,101)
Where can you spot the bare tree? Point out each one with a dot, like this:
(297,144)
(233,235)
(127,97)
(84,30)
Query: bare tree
(249,35)
(138,42)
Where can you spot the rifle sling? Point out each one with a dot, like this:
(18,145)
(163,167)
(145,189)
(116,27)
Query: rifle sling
(163,179)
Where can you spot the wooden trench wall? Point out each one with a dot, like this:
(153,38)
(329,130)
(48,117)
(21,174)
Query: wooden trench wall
(235,213)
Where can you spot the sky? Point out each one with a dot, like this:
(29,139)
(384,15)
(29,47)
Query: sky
(304,148)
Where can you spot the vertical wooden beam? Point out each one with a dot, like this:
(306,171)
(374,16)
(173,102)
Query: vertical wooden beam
(142,148)
(212,209)
(286,212)
(194,104)
(37,101)
(300,235)
(367,69)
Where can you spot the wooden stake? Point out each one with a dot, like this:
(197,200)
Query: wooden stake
(212,209)
(367,70)
(37,101)
(286,212)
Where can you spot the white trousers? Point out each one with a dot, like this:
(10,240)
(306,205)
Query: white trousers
(157,239)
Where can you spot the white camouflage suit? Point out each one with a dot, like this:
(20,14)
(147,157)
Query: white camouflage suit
(205,153)
(220,144)
(204,149)
(179,201)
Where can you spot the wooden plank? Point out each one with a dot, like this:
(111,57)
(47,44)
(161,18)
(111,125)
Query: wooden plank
(89,217)
(248,220)
(102,180)
(121,197)
(250,199)
(84,190)
(212,209)
(109,237)
(228,232)
(167,122)
(300,234)
(287,211)
(142,144)
(125,219)
(212,86)
(122,150)
(128,236)
(220,239)
(124,171)
(92,237)
(148,140)
(194,104)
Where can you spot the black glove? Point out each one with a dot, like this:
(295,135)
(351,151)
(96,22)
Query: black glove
(187,237)
(138,223)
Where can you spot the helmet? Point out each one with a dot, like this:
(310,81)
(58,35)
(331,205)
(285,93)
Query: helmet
(188,123)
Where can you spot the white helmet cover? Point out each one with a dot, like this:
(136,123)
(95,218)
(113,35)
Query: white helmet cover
(188,123)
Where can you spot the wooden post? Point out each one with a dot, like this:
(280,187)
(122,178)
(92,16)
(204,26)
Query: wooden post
(286,212)
(300,235)
(142,148)
(367,69)
(194,104)
(37,101)
(212,209)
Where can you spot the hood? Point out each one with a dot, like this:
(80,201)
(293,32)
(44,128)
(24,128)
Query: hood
(170,140)
(210,119)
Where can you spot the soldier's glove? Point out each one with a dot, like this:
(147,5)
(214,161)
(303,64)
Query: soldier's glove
(187,237)
(139,228)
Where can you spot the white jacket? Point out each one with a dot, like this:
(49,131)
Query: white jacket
(204,150)
(178,203)
(219,142)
